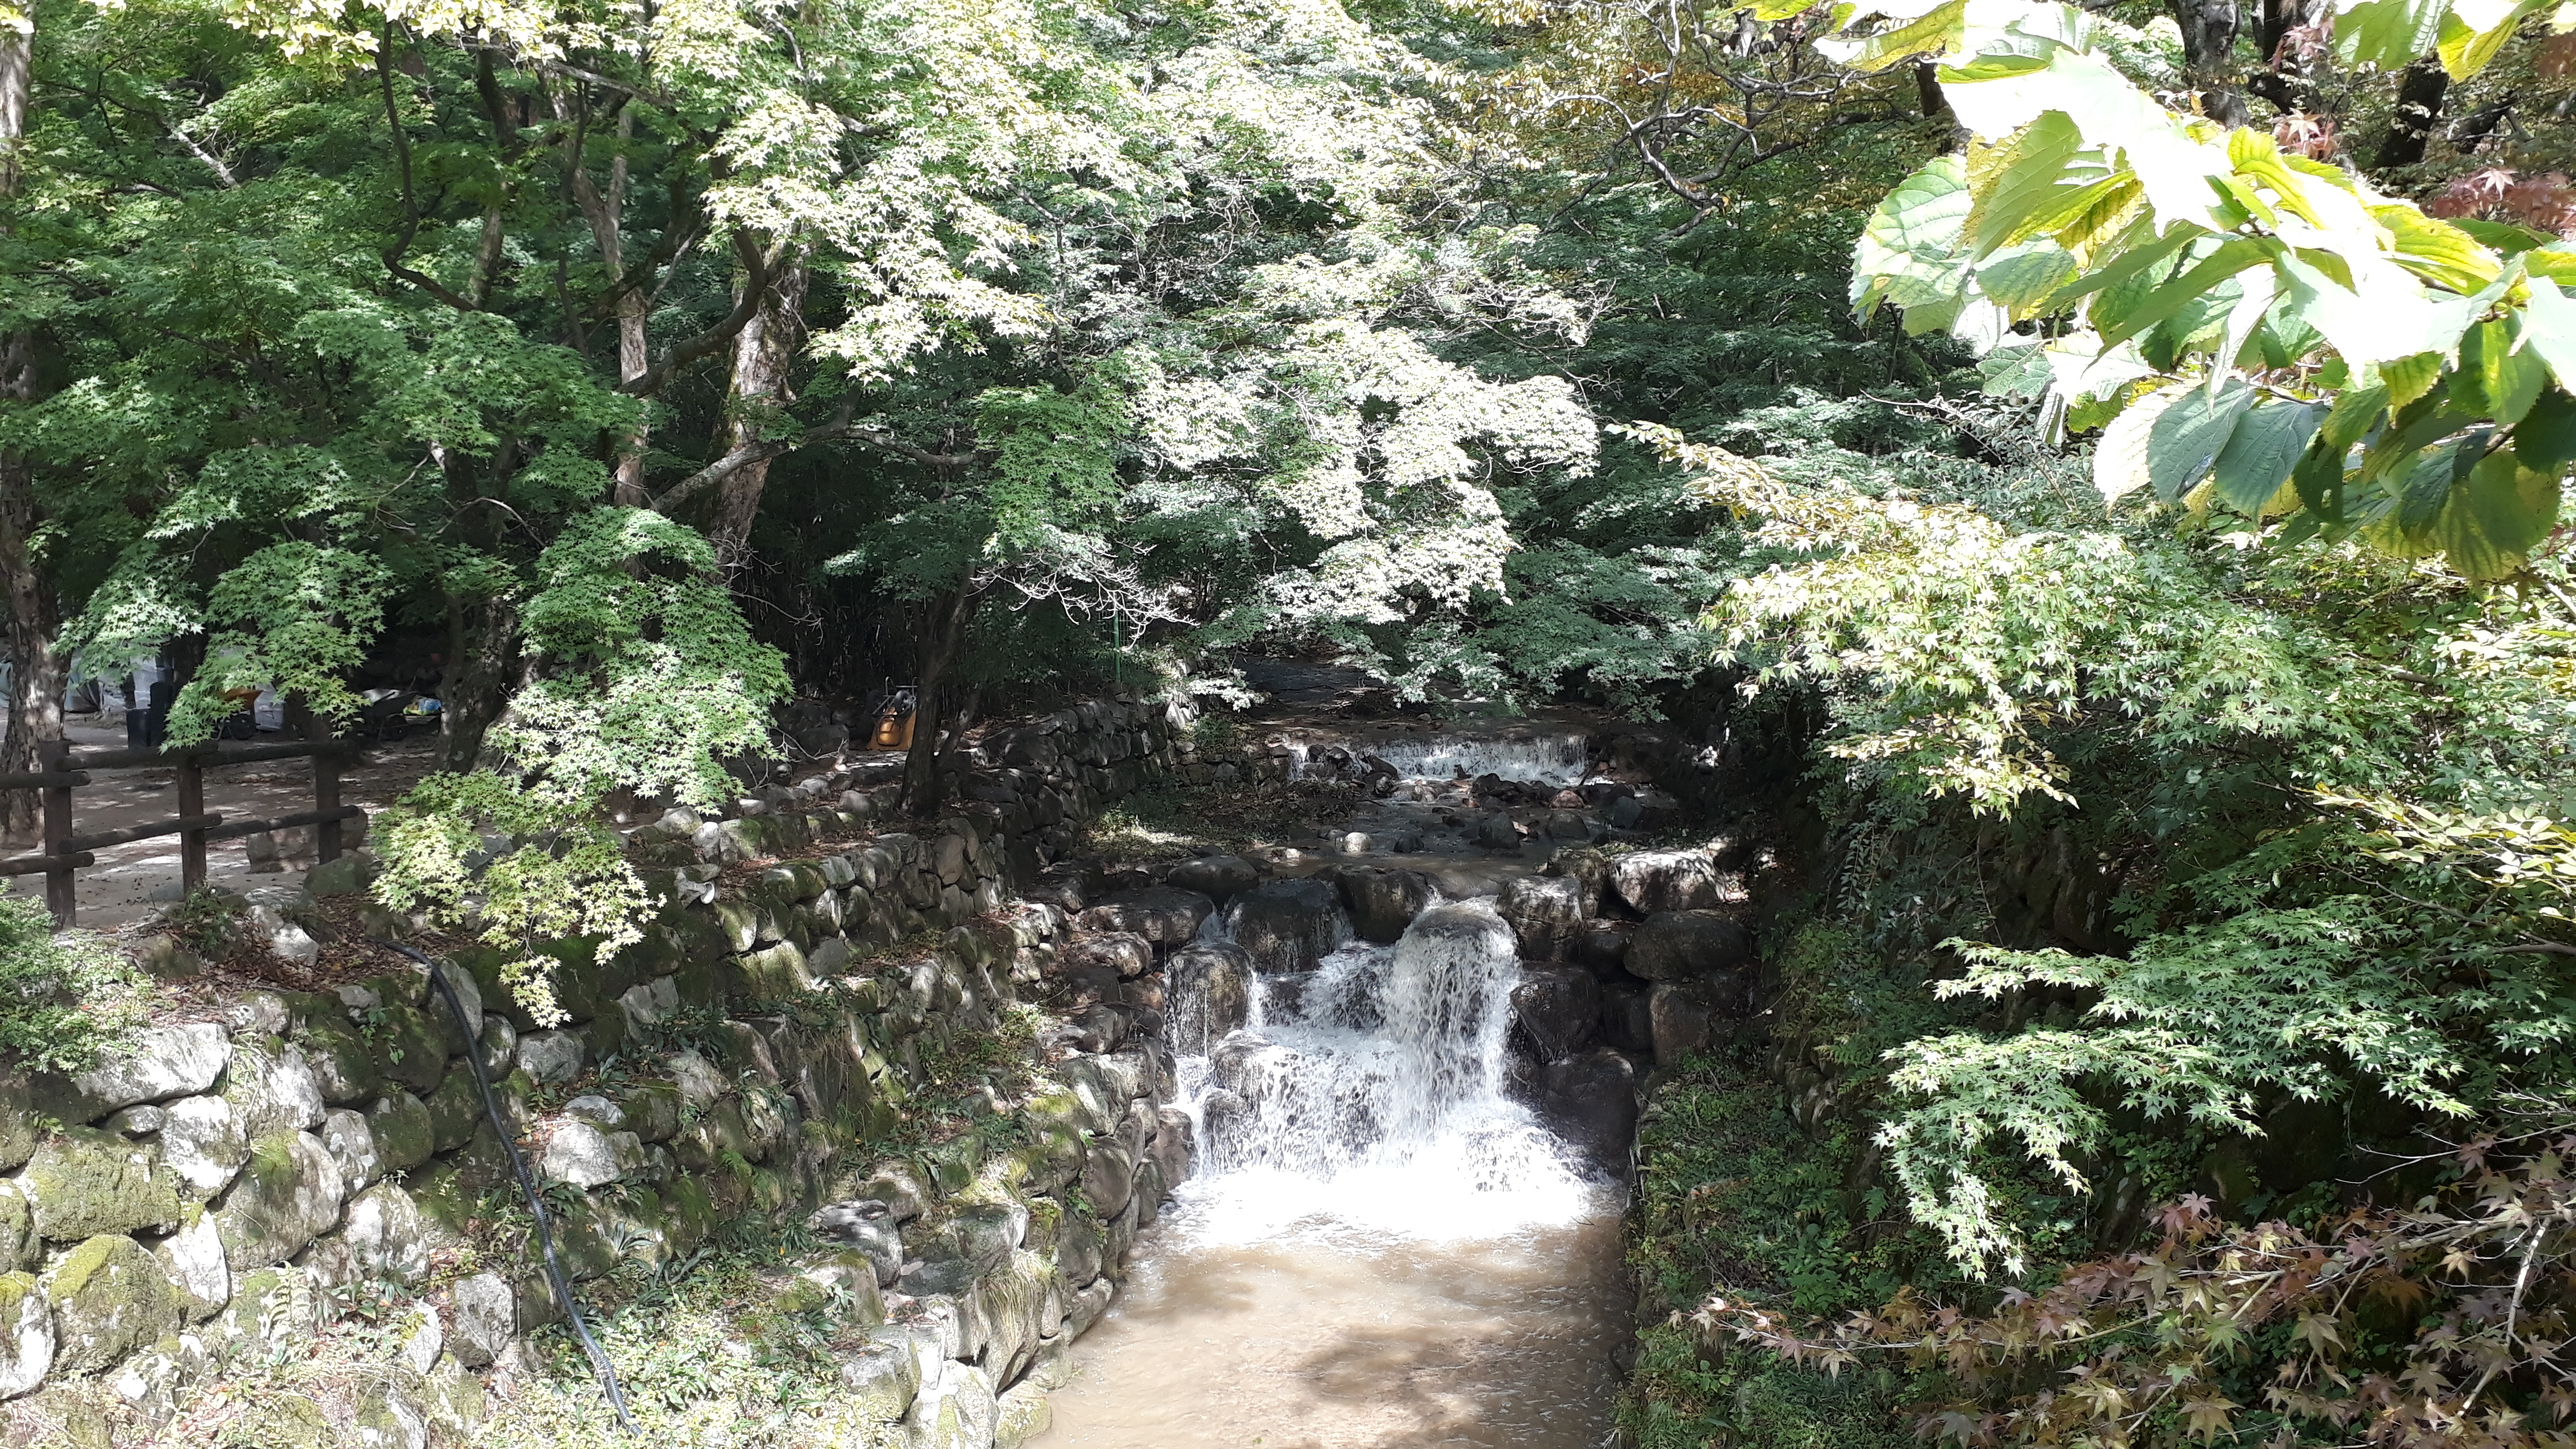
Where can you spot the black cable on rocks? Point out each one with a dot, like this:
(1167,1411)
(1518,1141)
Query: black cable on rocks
(473,1030)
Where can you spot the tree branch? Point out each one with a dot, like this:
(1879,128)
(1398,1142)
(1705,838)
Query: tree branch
(411,205)
(690,349)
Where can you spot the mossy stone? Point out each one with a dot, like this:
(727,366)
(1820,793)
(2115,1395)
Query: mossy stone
(17,1118)
(413,1049)
(688,1216)
(287,1194)
(652,1110)
(455,1110)
(349,1067)
(110,1298)
(84,1184)
(20,1244)
(405,1135)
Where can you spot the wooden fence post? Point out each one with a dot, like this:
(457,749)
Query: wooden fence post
(59,899)
(326,796)
(192,843)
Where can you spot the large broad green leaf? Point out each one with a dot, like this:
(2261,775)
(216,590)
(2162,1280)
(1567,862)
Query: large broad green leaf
(2495,377)
(1909,253)
(2381,327)
(2387,33)
(2016,371)
(2496,516)
(2023,279)
(2230,257)
(2028,184)
(2258,457)
(1931,33)
(2545,440)
(2110,111)
(2475,30)
(2121,461)
(2186,438)
(2549,328)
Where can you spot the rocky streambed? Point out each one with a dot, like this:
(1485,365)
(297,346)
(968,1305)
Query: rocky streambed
(1412,1058)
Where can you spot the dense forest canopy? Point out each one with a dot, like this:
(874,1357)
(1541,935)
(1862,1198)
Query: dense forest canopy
(2128,439)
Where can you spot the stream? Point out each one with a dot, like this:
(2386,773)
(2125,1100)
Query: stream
(1379,1246)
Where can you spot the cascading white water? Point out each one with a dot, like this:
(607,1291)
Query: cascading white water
(1368,1094)
(1544,760)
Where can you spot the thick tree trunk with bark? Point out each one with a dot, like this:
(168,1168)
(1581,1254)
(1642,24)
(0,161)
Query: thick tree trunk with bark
(763,353)
(482,663)
(2208,35)
(30,621)
(2420,90)
(943,642)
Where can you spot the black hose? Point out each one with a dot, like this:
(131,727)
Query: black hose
(473,1030)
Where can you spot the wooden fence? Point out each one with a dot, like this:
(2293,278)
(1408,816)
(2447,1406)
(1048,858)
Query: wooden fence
(67,770)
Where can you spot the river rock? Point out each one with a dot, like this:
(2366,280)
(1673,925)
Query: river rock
(1546,913)
(109,1297)
(1123,952)
(1602,945)
(1218,877)
(1383,902)
(1627,1017)
(956,1409)
(881,1378)
(1680,1023)
(1207,993)
(1288,925)
(1591,1102)
(1665,880)
(84,1183)
(1164,915)
(155,1064)
(1558,1009)
(1687,945)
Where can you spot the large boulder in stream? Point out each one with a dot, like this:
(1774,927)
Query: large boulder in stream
(1207,993)
(1591,1102)
(1546,914)
(1288,925)
(1665,880)
(1688,946)
(1164,915)
(1558,1009)
(1219,877)
(1382,902)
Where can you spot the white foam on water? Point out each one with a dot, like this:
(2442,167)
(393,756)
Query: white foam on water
(1367,1096)
(1545,760)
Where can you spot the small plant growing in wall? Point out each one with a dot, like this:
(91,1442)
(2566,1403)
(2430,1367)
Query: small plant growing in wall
(65,997)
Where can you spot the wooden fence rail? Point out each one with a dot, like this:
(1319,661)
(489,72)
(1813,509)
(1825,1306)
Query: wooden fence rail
(66,770)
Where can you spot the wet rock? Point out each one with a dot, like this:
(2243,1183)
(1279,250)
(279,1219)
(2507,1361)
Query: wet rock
(1022,1415)
(1123,952)
(1382,902)
(1069,887)
(1602,945)
(1166,916)
(1591,1102)
(1208,993)
(84,1183)
(1687,945)
(110,1298)
(1665,880)
(1218,877)
(1681,1024)
(1558,1009)
(1288,925)
(1627,1017)
(1497,832)
(1546,913)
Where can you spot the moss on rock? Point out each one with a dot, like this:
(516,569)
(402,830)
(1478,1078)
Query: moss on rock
(83,1184)
(110,1297)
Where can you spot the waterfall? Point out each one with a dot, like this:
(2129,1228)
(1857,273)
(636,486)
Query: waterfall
(1369,1093)
(1542,760)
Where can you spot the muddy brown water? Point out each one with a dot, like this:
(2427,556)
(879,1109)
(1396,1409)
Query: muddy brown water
(1333,1336)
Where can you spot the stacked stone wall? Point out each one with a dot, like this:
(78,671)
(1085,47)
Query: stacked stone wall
(205,1199)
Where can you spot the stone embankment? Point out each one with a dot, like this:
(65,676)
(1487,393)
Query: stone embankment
(202,1202)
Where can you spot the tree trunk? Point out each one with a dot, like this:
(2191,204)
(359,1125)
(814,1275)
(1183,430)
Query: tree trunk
(2288,83)
(35,667)
(763,352)
(482,659)
(2420,89)
(2208,35)
(605,213)
(943,639)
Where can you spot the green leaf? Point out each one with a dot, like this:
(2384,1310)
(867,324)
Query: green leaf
(2015,371)
(2506,381)
(2231,256)
(2467,46)
(2259,454)
(2023,279)
(2408,378)
(2025,187)
(2387,33)
(1909,253)
(2549,328)
(2496,516)
(1931,33)
(2121,460)
(2545,440)
(2185,438)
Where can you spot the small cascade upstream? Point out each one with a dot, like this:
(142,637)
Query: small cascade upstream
(1555,760)
(1379,1246)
